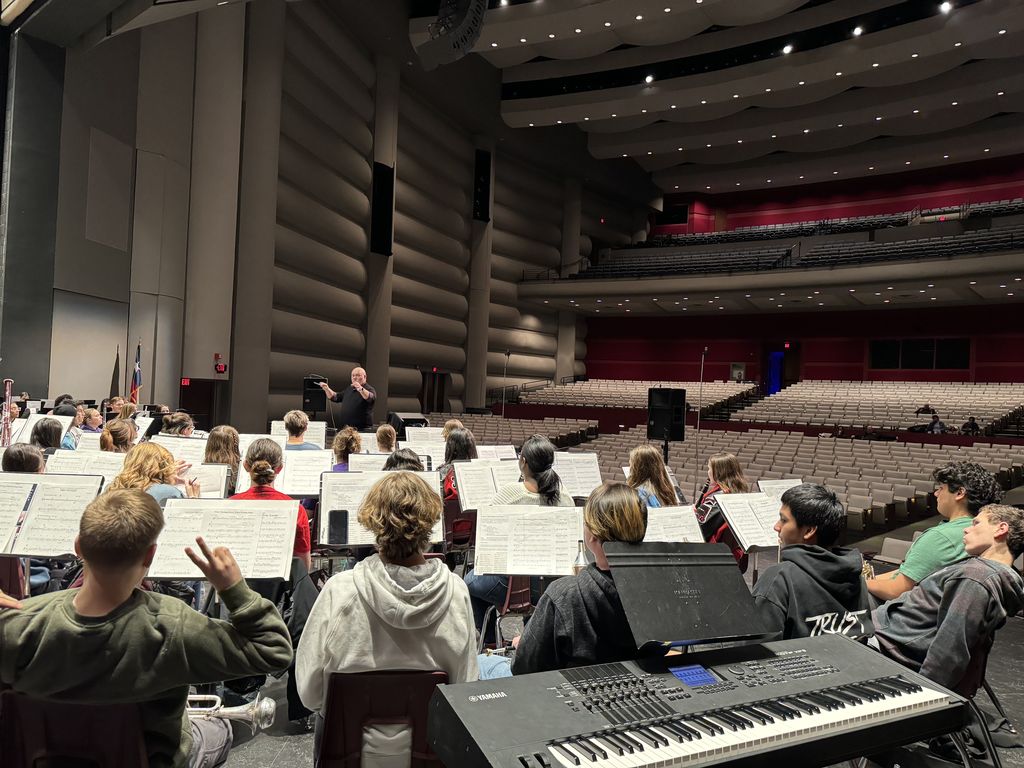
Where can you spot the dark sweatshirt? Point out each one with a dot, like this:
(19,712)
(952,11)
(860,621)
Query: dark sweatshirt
(578,621)
(934,627)
(814,591)
(147,650)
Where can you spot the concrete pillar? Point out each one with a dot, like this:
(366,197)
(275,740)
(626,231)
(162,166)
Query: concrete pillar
(572,215)
(257,216)
(478,319)
(379,267)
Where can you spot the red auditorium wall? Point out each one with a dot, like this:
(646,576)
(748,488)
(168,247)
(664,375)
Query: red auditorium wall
(997,179)
(832,346)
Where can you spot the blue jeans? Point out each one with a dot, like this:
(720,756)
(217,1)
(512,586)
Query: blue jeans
(485,591)
(493,666)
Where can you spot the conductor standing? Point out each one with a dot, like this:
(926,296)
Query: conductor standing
(356,401)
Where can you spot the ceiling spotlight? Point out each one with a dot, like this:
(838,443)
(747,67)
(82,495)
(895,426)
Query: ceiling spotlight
(552,35)
(668,10)
(787,49)
(839,74)
(607,23)
(639,17)
(917,111)
(807,130)
(945,157)
(703,101)
(835,173)
(801,176)
(503,2)
(494,45)
(957,44)
(522,39)
(735,95)
(857,31)
(953,103)
(985,149)
(946,7)
(649,79)
(578,30)
(878,118)
(875,65)
(672,107)
(1002,31)
(914,55)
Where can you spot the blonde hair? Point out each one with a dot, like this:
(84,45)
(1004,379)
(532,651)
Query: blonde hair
(401,511)
(146,464)
(89,413)
(262,461)
(127,411)
(346,442)
(118,435)
(386,437)
(727,472)
(449,426)
(176,423)
(614,513)
(118,527)
(647,466)
(296,423)
(222,447)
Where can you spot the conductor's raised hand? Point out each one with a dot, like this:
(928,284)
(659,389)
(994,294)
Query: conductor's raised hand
(219,566)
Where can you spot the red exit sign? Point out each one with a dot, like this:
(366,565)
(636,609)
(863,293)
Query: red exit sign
(186,382)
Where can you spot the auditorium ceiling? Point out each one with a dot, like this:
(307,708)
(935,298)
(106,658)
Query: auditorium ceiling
(720,95)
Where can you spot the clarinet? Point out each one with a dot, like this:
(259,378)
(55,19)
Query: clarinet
(5,429)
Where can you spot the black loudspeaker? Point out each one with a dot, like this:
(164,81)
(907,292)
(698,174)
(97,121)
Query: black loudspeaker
(314,399)
(666,410)
(382,209)
(402,420)
(482,186)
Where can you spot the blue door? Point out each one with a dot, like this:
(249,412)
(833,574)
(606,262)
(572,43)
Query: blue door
(774,372)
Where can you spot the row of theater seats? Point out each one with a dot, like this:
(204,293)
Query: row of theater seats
(880,483)
(494,430)
(633,264)
(997,208)
(788,229)
(885,404)
(633,394)
(966,243)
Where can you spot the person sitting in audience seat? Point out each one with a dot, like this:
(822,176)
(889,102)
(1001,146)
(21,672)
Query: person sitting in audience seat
(938,626)
(222,448)
(936,426)
(648,476)
(404,459)
(296,423)
(815,589)
(394,610)
(460,446)
(110,641)
(961,489)
(579,620)
(151,468)
(22,457)
(118,436)
(264,462)
(924,409)
(725,475)
(970,427)
(386,438)
(346,442)
(177,424)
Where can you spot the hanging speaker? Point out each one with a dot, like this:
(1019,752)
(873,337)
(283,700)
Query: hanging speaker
(382,209)
(482,186)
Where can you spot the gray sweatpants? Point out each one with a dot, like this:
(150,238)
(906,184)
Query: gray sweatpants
(211,742)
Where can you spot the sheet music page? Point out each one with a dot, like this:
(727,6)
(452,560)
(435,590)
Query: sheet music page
(579,472)
(52,521)
(673,524)
(506,452)
(191,450)
(767,513)
(527,541)
(244,441)
(64,462)
(302,470)
(487,452)
(367,462)
(475,482)
(25,435)
(435,450)
(343,490)
(212,479)
(89,441)
(316,432)
(260,535)
(775,488)
(741,512)
(422,435)
(143,423)
(505,473)
(14,500)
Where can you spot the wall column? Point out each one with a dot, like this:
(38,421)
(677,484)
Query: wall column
(257,216)
(572,216)
(379,267)
(478,319)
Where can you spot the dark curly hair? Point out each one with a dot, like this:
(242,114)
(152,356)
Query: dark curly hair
(978,483)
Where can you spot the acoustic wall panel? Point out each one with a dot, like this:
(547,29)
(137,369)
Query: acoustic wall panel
(433,201)
(323,204)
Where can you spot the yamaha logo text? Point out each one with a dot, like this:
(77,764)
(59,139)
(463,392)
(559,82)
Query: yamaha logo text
(487,697)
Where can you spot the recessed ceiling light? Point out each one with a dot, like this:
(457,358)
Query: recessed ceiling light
(945,157)
(639,17)
(739,141)
(708,187)
(801,177)
(985,149)
(577,30)
(558,121)
(835,173)
(821,304)
(607,23)
(839,125)
(703,101)
(737,183)
(1002,286)
(974,282)
(649,152)
(877,293)
(614,115)
(933,298)
(768,181)
(522,39)
(747,295)
(1002,31)
(586,118)
(801,82)
(921,290)
(708,146)
(945,7)
(853,290)
(957,44)
(494,45)
(673,106)
(787,48)
(839,74)
(886,301)
(668,10)
(624,154)
(504,2)
(677,186)
(735,95)
(677,302)
(774,136)
(643,111)
(917,111)
(931,285)
(999,93)
(907,162)
(531,125)
(649,79)
(767,90)
(953,103)
(875,65)
(552,35)
(914,55)
(782,294)
(807,130)
(779,306)
(679,149)
(858,31)
(878,118)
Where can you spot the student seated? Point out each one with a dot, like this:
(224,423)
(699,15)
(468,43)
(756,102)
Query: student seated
(110,641)
(346,442)
(264,462)
(47,435)
(449,426)
(118,436)
(404,458)
(460,446)
(386,438)
(177,425)
(725,475)
(128,411)
(936,627)
(22,457)
(961,489)
(72,436)
(151,468)
(395,610)
(815,589)
(92,420)
(579,620)
(222,448)
(296,423)
(649,478)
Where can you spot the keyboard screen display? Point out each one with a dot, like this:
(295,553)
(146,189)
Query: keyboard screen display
(694,675)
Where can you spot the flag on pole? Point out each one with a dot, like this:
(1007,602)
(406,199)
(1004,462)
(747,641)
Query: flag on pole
(115,378)
(133,396)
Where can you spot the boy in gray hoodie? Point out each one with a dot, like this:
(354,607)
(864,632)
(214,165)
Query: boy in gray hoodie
(936,627)
(816,588)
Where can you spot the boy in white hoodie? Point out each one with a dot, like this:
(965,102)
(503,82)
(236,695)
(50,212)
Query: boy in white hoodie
(395,610)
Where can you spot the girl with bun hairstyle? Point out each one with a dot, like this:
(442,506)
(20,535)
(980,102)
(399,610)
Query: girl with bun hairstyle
(118,435)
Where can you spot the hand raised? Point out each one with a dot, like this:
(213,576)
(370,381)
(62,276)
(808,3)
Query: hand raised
(219,566)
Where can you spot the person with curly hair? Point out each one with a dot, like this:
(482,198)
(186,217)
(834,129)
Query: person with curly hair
(962,488)
(346,442)
(151,468)
(396,610)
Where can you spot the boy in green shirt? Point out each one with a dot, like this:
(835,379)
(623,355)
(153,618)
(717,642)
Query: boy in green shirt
(961,490)
(110,641)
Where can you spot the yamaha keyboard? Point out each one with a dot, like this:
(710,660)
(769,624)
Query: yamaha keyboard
(813,701)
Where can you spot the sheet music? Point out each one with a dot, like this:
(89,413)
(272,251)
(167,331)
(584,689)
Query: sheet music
(260,535)
(89,441)
(302,470)
(422,435)
(346,490)
(25,435)
(143,423)
(475,482)
(673,524)
(505,473)
(579,472)
(105,463)
(748,517)
(316,432)
(191,450)
(496,452)
(14,500)
(527,541)
(53,517)
(434,450)
(775,488)
(212,479)
(367,462)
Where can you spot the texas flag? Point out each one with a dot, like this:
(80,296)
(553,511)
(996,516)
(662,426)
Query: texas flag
(133,396)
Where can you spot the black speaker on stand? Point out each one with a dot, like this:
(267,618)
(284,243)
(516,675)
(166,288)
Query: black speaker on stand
(314,399)
(666,415)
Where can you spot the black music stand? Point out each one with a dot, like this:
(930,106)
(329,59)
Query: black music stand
(682,594)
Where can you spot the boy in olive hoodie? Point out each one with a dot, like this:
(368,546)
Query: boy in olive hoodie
(816,588)
(110,641)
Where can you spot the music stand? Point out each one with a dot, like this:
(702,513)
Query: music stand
(682,594)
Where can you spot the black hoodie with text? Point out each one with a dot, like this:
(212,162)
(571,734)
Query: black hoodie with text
(814,591)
